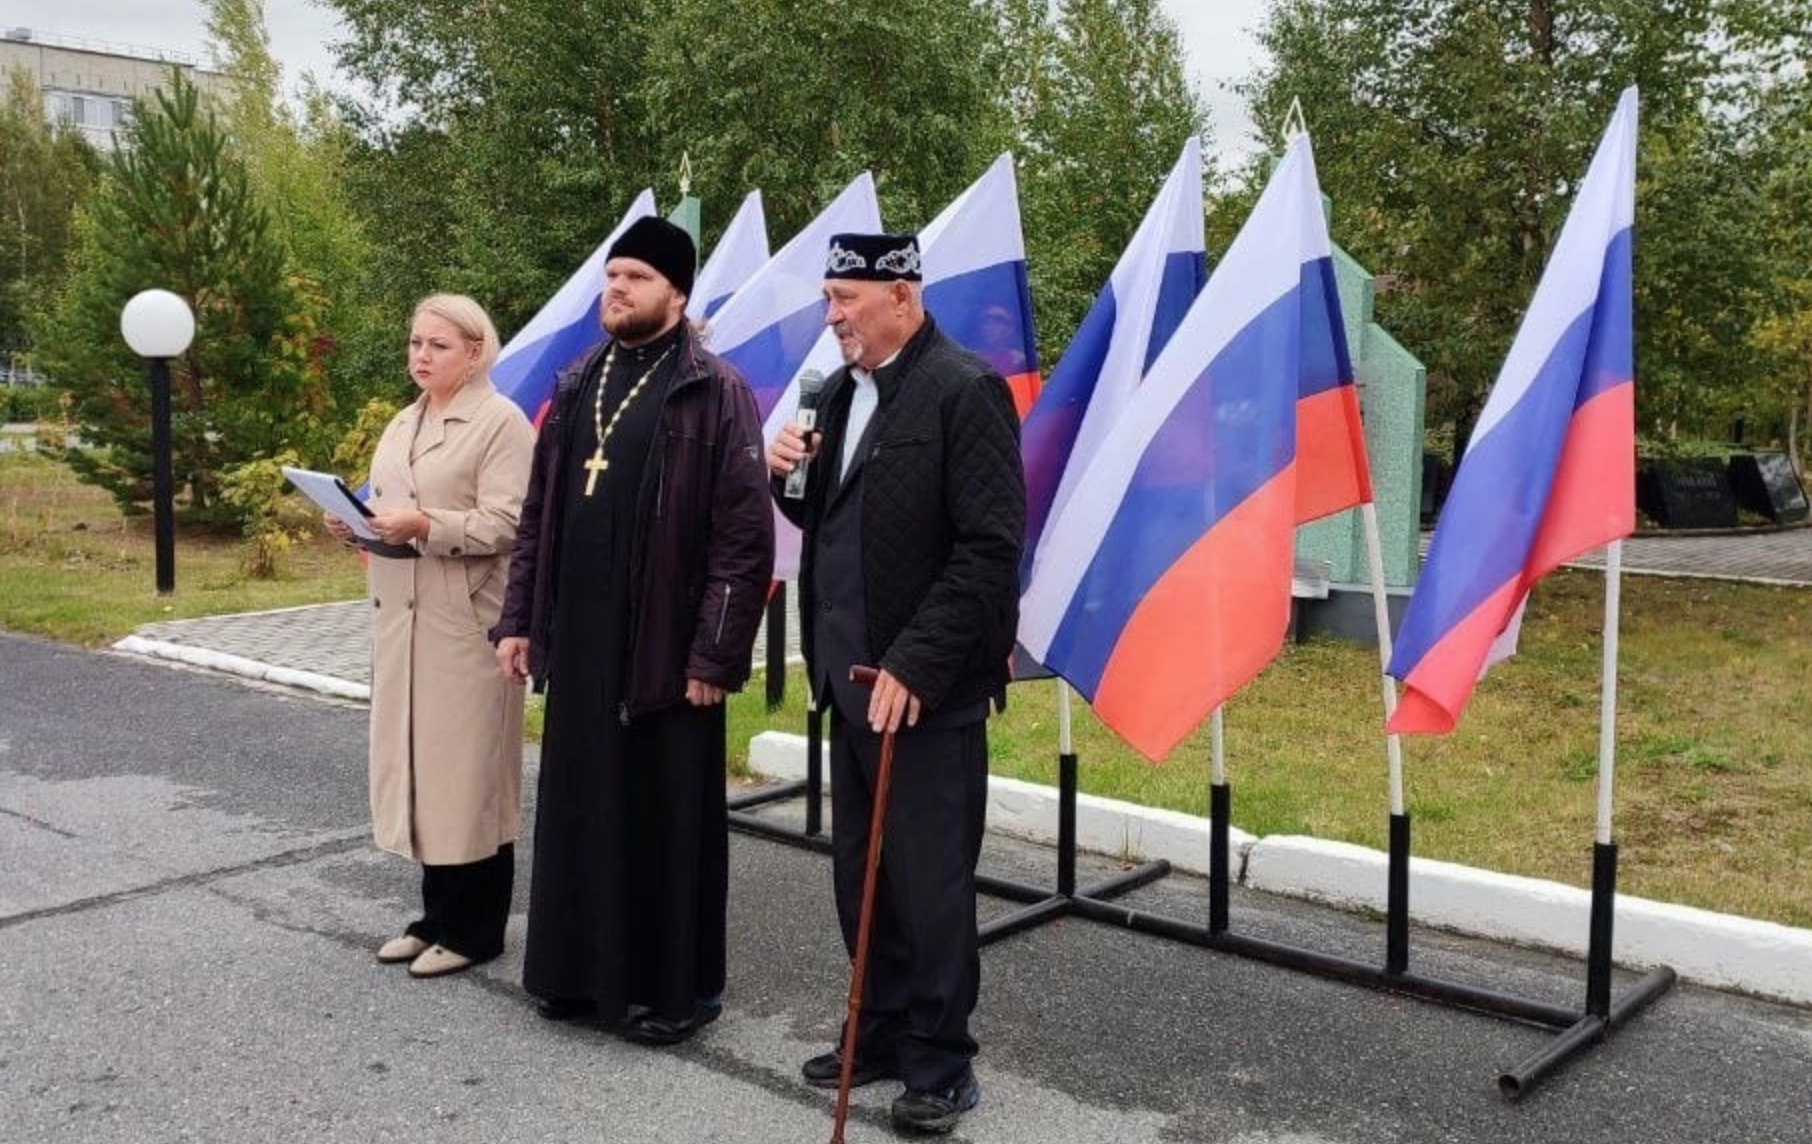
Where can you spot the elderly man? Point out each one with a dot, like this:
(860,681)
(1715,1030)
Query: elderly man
(640,570)
(913,515)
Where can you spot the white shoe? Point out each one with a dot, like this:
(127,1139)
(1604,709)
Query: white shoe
(438,961)
(400,949)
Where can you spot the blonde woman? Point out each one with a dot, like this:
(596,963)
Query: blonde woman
(446,730)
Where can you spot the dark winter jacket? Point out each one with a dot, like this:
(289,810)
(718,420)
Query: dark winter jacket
(942,523)
(704,549)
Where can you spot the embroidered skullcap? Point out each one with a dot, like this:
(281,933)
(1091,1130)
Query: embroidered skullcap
(874,257)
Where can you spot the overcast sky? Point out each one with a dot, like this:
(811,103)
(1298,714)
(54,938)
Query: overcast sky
(1217,35)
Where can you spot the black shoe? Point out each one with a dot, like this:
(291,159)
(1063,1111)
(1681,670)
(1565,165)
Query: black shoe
(566,1008)
(937,1110)
(826,1070)
(653,1029)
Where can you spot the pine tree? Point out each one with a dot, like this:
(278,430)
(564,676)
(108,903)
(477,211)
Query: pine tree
(174,209)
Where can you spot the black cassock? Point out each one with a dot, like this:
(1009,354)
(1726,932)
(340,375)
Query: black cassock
(631,866)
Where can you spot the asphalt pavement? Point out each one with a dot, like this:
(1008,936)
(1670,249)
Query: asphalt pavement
(189,902)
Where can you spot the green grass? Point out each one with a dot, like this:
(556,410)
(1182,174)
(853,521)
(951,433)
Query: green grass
(74,569)
(1714,774)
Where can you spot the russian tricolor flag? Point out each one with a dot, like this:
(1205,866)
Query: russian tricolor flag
(1550,470)
(769,326)
(1144,301)
(560,331)
(1333,471)
(1163,582)
(974,256)
(734,260)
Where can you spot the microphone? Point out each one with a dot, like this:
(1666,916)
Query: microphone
(811,382)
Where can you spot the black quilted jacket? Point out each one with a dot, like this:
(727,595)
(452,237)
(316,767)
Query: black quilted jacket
(943,520)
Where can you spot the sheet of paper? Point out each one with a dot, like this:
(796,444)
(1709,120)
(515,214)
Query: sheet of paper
(331,494)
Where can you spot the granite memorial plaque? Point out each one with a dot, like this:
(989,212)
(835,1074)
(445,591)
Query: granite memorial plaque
(1688,492)
(1765,483)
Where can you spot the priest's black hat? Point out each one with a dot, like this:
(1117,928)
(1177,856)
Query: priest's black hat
(662,245)
(874,257)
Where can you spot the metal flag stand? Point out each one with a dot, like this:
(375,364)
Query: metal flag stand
(1037,904)
(1047,906)
(1603,1013)
(1578,1030)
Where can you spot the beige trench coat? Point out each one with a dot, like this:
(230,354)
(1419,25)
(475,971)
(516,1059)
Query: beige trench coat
(446,727)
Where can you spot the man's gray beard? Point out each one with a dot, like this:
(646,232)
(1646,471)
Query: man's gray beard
(851,349)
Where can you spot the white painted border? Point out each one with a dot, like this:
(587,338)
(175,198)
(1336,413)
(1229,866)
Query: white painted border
(241,666)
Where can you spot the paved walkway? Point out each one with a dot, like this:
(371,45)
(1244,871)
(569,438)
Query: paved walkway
(1783,557)
(327,640)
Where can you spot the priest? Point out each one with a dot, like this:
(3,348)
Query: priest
(638,580)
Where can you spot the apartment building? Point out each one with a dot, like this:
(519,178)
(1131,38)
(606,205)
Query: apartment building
(91,83)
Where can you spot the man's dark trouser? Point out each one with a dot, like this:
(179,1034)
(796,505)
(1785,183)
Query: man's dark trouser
(924,963)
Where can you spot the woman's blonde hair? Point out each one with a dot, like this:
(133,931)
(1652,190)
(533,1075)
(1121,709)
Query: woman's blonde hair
(469,318)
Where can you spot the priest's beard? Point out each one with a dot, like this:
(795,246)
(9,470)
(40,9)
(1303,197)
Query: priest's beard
(636,326)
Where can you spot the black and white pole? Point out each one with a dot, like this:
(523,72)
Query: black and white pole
(1604,848)
(1602,1012)
(1067,779)
(159,325)
(1220,813)
(1396,904)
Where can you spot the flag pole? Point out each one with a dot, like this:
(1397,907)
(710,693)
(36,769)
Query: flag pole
(1374,555)
(1217,738)
(1604,850)
(1607,714)
(1601,1013)
(1066,796)
(1220,813)
(1396,913)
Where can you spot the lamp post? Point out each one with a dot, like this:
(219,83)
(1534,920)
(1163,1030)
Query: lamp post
(158,326)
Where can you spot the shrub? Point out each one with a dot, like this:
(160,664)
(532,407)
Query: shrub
(256,491)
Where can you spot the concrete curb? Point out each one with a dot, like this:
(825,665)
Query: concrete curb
(1720,950)
(241,666)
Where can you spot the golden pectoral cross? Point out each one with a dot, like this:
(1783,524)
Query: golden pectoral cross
(594,465)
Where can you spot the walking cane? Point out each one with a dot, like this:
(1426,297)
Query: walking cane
(864,676)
